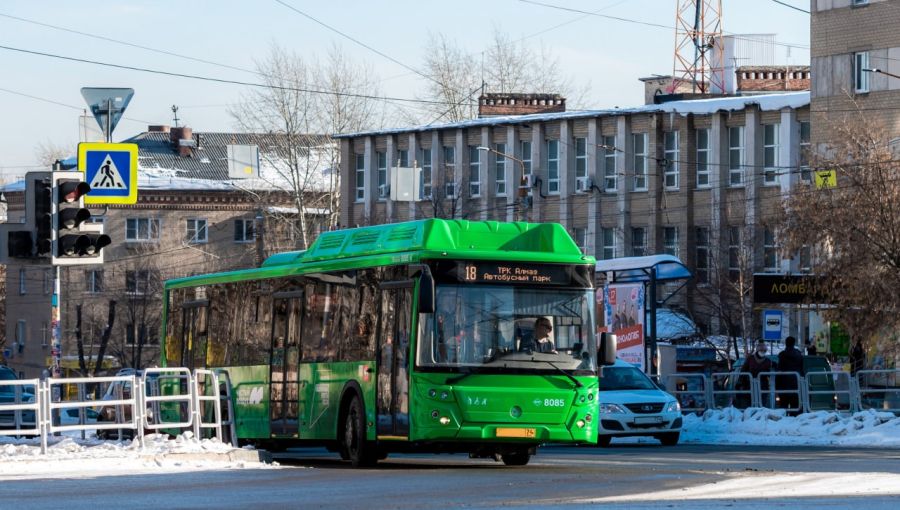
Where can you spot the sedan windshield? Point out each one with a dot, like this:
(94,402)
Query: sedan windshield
(506,328)
(624,378)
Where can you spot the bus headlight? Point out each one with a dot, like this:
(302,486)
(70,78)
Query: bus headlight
(444,420)
(580,424)
(432,393)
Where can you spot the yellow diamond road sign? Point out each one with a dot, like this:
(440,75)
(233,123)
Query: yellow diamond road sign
(111,171)
(826,179)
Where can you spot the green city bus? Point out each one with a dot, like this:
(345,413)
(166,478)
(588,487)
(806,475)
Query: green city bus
(416,336)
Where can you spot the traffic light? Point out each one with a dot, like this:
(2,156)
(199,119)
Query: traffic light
(75,240)
(43,217)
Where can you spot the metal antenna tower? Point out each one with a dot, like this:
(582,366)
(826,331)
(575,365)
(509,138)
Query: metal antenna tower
(699,48)
(175,114)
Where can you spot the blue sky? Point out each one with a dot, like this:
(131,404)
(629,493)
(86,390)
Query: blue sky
(609,54)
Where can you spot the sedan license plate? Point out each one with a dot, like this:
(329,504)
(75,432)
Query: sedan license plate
(510,432)
(646,420)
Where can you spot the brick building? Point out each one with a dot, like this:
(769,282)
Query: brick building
(685,177)
(191,217)
(847,37)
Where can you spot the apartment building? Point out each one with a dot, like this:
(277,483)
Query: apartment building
(689,178)
(849,39)
(191,217)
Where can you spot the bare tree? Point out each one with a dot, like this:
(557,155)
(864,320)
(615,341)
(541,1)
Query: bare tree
(47,152)
(852,228)
(726,297)
(454,79)
(304,103)
(506,65)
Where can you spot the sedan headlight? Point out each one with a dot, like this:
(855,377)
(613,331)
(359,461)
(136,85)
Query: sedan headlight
(673,407)
(611,409)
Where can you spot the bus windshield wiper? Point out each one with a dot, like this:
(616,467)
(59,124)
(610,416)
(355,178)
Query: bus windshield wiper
(562,371)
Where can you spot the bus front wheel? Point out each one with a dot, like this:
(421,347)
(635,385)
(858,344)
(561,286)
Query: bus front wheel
(360,452)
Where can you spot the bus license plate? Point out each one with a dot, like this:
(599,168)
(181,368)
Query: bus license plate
(645,420)
(510,432)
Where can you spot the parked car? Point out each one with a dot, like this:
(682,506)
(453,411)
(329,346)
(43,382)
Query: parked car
(69,416)
(8,396)
(631,404)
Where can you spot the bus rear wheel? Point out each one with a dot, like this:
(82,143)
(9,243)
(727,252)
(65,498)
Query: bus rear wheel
(516,458)
(358,450)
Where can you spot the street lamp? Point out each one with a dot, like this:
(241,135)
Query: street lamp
(524,183)
(880,71)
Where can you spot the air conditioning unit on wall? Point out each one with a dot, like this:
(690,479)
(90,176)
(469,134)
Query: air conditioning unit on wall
(583,185)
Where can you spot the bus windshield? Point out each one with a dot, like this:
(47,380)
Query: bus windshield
(495,329)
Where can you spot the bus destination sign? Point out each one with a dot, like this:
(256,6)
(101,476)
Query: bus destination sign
(479,271)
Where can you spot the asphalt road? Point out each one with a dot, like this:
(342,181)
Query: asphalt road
(632,476)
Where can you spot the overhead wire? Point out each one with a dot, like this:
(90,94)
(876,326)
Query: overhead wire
(220,80)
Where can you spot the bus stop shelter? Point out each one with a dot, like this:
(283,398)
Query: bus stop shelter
(654,272)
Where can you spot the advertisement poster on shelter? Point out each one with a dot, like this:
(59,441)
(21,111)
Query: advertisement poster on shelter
(625,318)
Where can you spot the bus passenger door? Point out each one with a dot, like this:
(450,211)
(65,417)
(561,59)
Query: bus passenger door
(392,395)
(284,360)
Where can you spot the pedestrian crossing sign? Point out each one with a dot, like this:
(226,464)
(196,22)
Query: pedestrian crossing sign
(111,171)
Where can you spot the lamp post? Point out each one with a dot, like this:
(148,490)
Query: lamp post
(517,160)
(880,71)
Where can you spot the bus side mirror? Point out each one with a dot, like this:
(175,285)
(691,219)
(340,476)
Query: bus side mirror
(607,349)
(426,292)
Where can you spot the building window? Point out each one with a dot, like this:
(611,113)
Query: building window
(93,281)
(45,334)
(805,263)
(450,172)
(701,270)
(770,153)
(474,171)
(609,163)
(22,288)
(21,334)
(244,230)
(553,166)
(526,162)
(360,177)
(734,252)
(805,148)
(639,160)
(141,230)
(580,236)
(736,156)
(670,240)
(48,281)
(500,170)
(196,231)
(138,282)
(425,182)
(145,335)
(670,153)
(860,77)
(381,173)
(703,158)
(609,243)
(580,157)
(770,250)
(403,158)
(638,241)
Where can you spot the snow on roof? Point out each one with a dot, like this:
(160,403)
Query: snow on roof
(637,269)
(766,102)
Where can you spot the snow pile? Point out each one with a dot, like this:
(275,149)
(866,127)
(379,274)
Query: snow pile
(93,457)
(760,426)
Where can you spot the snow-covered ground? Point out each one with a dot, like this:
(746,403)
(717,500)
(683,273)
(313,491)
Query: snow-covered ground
(772,427)
(72,457)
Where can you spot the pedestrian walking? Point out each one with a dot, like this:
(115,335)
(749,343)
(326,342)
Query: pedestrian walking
(789,360)
(811,348)
(857,357)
